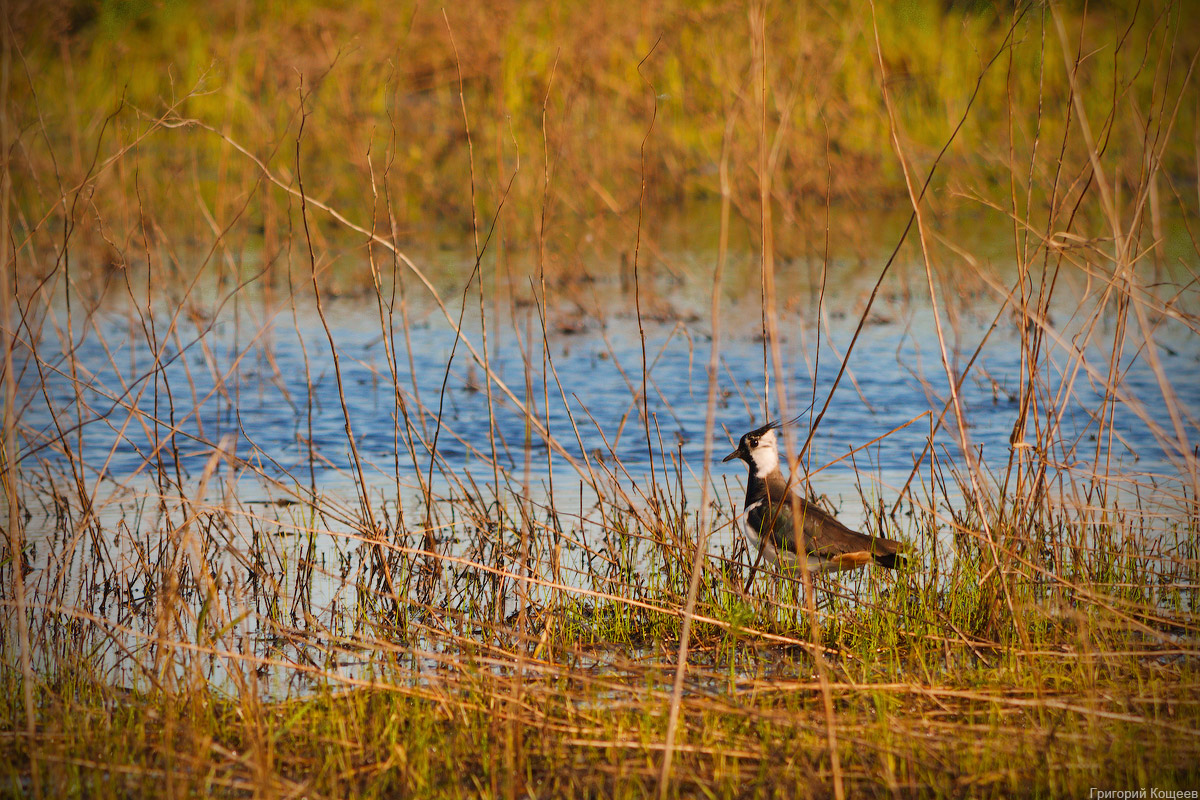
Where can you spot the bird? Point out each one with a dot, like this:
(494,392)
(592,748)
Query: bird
(769,523)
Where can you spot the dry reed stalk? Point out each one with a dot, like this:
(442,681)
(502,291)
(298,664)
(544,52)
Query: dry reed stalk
(9,471)
(767,165)
(702,532)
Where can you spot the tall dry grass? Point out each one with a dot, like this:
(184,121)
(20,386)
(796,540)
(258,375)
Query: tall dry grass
(216,622)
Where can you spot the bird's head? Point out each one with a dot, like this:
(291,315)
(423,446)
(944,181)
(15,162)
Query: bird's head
(759,449)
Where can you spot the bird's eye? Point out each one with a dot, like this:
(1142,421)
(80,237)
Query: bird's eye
(752,441)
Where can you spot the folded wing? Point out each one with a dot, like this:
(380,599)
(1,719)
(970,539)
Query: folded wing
(824,537)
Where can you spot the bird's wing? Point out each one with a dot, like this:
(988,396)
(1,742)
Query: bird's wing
(824,536)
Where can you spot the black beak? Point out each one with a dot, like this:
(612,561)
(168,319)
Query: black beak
(732,455)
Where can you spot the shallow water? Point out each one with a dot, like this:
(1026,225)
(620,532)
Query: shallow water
(267,381)
(258,375)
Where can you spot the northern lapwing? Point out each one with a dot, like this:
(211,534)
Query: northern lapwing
(770,526)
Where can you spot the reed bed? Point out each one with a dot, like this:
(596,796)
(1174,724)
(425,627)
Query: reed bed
(514,588)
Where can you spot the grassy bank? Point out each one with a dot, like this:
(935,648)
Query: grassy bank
(987,736)
(572,115)
(936,692)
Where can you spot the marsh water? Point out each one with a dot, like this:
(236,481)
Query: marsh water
(241,391)
(263,374)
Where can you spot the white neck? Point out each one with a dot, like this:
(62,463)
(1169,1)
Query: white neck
(766,455)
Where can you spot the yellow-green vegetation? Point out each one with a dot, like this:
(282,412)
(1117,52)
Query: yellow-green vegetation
(934,694)
(214,624)
(584,107)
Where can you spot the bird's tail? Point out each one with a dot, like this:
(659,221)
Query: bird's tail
(891,560)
